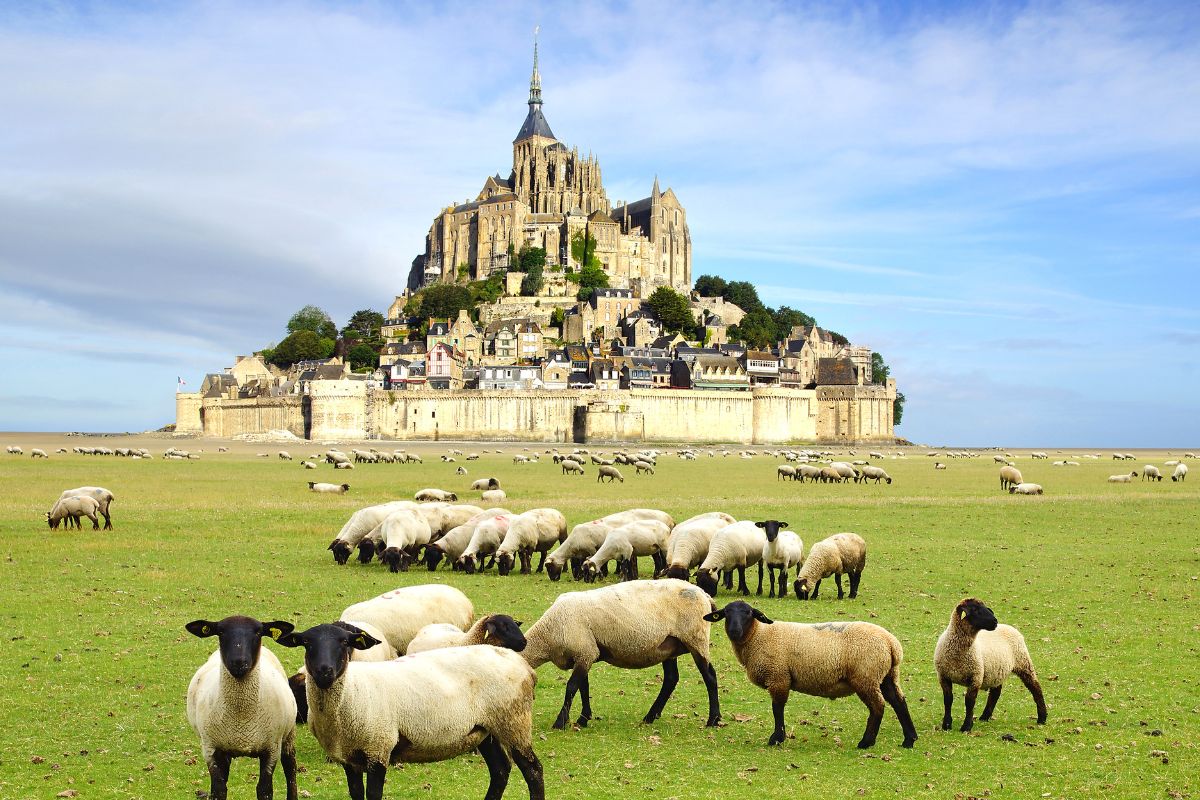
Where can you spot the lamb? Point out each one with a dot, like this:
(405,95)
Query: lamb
(1025,488)
(977,652)
(689,542)
(734,547)
(101,495)
(400,613)
(71,509)
(571,466)
(646,537)
(939,465)
(435,495)
(878,473)
(1122,478)
(1180,473)
(1151,472)
(630,625)
(824,659)
(38,452)
(484,484)
(841,552)
(328,488)
(404,532)
(361,523)
(537,530)
(485,539)
(1010,476)
(239,704)
(612,473)
(428,707)
(640,467)
(498,630)
(782,551)
(492,496)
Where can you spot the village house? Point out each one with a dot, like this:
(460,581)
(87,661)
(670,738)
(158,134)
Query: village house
(444,367)
(761,367)
(510,376)
(556,370)
(709,372)
(510,341)
(605,375)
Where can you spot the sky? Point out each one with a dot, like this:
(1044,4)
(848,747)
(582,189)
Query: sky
(1001,198)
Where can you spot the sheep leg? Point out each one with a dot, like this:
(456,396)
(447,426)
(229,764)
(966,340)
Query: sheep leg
(760,574)
(376,775)
(947,703)
(779,700)
(783,576)
(837,578)
(498,767)
(660,562)
(578,678)
(576,568)
(990,705)
(1031,683)
(288,759)
(670,680)
(709,674)
(728,576)
(770,581)
(855,577)
(265,789)
(526,560)
(95,522)
(218,774)
(873,699)
(354,781)
(541,564)
(816,588)
(895,698)
(107,520)
(969,702)
(531,771)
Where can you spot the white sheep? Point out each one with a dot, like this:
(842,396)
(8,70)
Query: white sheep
(71,509)
(380,652)
(1180,473)
(492,496)
(428,707)
(361,523)
(1010,476)
(239,704)
(1025,488)
(101,495)
(782,551)
(939,465)
(583,540)
(1151,473)
(644,537)
(977,652)
(400,613)
(38,452)
(834,555)
(452,544)
(485,539)
(878,473)
(689,542)
(612,473)
(640,466)
(284,455)
(483,484)
(785,472)
(1122,478)
(733,547)
(403,533)
(571,466)
(435,496)
(328,488)
(498,630)
(537,530)
(308,464)
(824,659)
(15,450)
(631,625)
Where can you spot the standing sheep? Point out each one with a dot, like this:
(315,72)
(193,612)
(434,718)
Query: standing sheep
(71,509)
(571,466)
(537,530)
(239,704)
(640,466)
(612,473)
(1151,473)
(825,659)
(977,652)
(485,540)
(782,551)
(878,473)
(734,547)
(428,707)
(38,452)
(361,523)
(583,541)
(452,544)
(101,495)
(630,625)
(834,555)
(403,533)
(1010,476)
(1180,473)
(688,545)
(645,537)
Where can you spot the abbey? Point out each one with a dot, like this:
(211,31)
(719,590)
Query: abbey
(551,195)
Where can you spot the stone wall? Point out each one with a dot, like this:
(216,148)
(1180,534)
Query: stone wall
(224,417)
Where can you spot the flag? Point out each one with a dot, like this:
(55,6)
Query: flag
(181,381)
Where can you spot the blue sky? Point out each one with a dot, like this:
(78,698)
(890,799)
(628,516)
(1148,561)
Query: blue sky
(1003,199)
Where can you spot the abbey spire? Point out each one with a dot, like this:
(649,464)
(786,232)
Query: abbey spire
(535,124)
(535,82)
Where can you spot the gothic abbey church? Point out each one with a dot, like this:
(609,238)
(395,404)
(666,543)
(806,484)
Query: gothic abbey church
(550,196)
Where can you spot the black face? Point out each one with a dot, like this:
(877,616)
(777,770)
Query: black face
(739,618)
(504,563)
(366,551)
(590,572)
(553,571)
(53,522)
(395,558)
(977,615)
(707,581)
(327,649)
(801,588)
(240,639)
(677,572)
(341,551)
(467,563)
(504,631)
(771,528)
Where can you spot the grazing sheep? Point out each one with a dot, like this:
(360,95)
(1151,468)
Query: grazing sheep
(101,495)
(571,466)
(785,472)
(1122,478)
(498,630)
(1151,472)
(71,509)
(400,613)
(612,473)
(939,465)
(644,537)
(460,470)
(977,652)
(239,704)
(631,625)
(834,555)
(483,484)
(878,473)
(328,488)
(284,455)
(824,659)
(308,464)
(15,450)
(361,523)
(403,533)
(38,452)
(782,551)
(492,496)
(808,472)
(1025,488)
(640,467)
(1010,476)
(1180,473)
(734,547)
(454,541)
(537,530)
(688,545)
(583,541)
(845,471)
(427,707)
(485,539)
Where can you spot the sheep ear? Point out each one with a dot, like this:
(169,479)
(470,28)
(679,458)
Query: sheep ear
(783,524)
(290,639)
(202,628)
(761,617)
(363,641)
(760,524)
(277,628)
(715,616)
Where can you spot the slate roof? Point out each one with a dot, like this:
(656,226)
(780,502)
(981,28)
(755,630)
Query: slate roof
(535,125)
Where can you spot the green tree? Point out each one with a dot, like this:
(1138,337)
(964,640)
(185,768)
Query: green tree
(444,300)
(591,277)
(757,329)
(672,310)
(303,345)
(838,338)
(787,318)
(312,318)
(364,326)
(577,248)
(362,356)
(487,291)
(531,284)
(880,371)
(898,408)
(556,317)
(531,257)
(711,286)
(743,295)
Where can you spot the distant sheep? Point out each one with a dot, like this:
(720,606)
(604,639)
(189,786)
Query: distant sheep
(38,452)
(571,467)
(1122,478)
(1180,473)
(612,473)
(308,464)
(1025,488)
(435,496)
(1151,473)
(98,493)
(641,466)
(284,455)
(328,488)
(876,473)
(483,484)
(1010,476)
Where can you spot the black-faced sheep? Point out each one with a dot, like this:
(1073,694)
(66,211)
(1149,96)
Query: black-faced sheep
(71,509)
(1122,478)
(435,496)
(1010,476)
(239,704)
(1180,473)
(535,531)
(977,652)
(782,551)
(1025,488)
(571,467)
(498,630)
(826,659)
(612,473)
(644,537)
(834,555)
(328,488)
(689,542)
(101,495)
(1151,473)
(733,548)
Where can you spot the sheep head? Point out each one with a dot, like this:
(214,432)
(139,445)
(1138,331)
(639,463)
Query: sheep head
(240,639)
(740,618)
(771,528)
(975,615)
(327,649)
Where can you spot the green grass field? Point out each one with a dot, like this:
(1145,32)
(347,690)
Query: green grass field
(1102,579)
